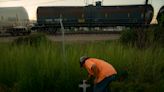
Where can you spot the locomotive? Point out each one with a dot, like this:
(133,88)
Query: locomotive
(93,16)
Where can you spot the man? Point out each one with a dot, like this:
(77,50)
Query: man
(103,72)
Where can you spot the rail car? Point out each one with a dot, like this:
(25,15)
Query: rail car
(160,16)
(13,20)
(93,16)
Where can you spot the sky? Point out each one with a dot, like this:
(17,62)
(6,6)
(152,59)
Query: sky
(31,5)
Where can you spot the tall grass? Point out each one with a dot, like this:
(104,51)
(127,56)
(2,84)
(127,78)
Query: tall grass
(28,68)
(143,37)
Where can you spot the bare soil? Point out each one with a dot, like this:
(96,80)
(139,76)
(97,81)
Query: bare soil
(74,37)
(85,37)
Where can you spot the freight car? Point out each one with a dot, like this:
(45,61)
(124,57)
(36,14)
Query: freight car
(160,16)
(93,16)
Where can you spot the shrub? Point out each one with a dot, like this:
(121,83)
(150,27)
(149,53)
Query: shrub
(33,40)
(161,20)
(159,35)
(134,37)
(128,36)
(142,38)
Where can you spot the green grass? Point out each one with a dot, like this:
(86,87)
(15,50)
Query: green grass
(28,68)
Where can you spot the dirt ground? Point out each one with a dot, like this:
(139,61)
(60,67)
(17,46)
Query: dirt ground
(75,37)
(85,37)
(7,39)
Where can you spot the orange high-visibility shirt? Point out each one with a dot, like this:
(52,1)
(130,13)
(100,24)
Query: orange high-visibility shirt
(105,69)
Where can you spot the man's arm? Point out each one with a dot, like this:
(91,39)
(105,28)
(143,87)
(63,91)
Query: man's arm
(95,71)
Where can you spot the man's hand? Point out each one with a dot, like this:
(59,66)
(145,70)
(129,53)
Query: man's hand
(89,76)
(95,80)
